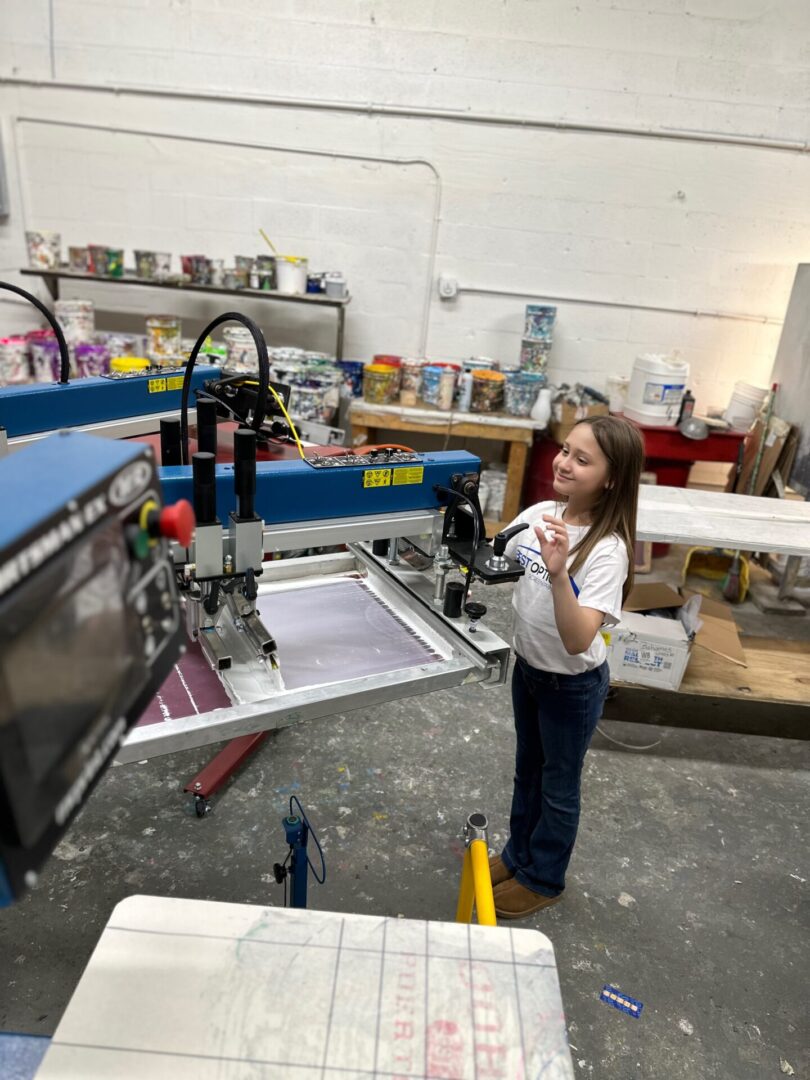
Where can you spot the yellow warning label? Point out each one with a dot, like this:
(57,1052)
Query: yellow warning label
(414,474)
(605,636)
(376,478)
(160,386)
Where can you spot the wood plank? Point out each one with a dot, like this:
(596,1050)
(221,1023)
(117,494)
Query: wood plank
(776,671)
(518,453)
(471,430)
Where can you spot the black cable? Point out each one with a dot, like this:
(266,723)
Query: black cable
(264,374)
(64,354)
(476,533)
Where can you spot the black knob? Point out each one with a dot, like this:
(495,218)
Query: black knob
(475,610)
(170,453)
(207,426)
(205,488)
(244,472)
(379,547)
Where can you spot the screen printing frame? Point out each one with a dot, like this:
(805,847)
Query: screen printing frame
(480,657)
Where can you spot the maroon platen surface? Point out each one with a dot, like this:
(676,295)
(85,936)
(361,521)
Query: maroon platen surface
(191,687)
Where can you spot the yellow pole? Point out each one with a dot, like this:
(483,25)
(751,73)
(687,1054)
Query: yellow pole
(466,893)
(482,879)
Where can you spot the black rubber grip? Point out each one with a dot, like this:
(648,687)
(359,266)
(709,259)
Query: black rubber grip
(244,472)
(170,452)
(207,426)
(205,488)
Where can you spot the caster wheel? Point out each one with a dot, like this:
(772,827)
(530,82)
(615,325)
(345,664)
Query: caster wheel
(201,807)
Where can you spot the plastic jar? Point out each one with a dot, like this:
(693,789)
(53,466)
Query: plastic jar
(163,338)
(128,365)
(520,391)
(45,359)
(380,383)
(92,359)
(487,391)
(14,354)
(77,319)
(242,352)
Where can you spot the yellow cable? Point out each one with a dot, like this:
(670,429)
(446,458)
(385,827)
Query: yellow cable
(289,421)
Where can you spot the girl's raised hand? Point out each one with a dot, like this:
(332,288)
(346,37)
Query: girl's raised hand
(553,538)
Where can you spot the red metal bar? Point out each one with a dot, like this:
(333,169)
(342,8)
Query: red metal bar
(222,767)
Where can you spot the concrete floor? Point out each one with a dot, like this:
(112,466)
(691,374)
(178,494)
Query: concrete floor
(685,889)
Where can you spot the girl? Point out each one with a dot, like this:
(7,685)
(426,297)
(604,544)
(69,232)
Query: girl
(578,556)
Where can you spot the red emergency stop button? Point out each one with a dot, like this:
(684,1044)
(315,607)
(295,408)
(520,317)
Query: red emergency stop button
(175,522)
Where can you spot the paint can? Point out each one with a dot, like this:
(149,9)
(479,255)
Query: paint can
(352,377)
(487,391)
(380,383)
(291,274)
(92,359)
(335,285)
(534,355)
(79,260)
(539,321)
(44,249)
(77,319)
(163,265)
(520,391)
(115,262)
(163,339)
(97,254)
(14,355)
(45,359)
(145,262)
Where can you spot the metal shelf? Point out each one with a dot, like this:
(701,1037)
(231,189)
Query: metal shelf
(53,277)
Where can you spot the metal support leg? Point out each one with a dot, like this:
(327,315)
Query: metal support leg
(340,331)
(476,880)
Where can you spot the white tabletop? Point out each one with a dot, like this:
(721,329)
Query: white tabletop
(723,519)
(231,991)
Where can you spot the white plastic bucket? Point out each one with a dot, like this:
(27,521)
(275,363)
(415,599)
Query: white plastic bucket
(746,401)
(657,386)
(291,274)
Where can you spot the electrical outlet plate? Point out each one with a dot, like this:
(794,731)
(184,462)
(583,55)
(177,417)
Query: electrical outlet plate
(448,287)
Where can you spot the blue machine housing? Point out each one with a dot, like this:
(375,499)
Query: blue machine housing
(290,491)
(35,407)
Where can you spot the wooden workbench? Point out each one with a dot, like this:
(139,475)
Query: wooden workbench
(770,696)
(518,432)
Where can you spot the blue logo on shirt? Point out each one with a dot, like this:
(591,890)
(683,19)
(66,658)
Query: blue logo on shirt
(532,560)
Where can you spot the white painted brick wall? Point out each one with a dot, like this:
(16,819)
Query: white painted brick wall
(642,221)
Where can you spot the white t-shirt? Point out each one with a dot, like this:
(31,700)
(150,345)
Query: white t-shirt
(599,581)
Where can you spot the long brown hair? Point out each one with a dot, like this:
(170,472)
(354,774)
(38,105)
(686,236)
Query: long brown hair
(616,509)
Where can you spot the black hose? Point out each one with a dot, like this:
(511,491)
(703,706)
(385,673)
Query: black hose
(264,374)
(64,354)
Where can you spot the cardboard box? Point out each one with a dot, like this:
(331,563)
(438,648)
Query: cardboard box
(565,416)
(649,650)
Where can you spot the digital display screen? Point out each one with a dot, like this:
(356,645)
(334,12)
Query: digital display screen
(65,667)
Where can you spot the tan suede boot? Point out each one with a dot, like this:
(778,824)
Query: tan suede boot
(498,870)
(515,901)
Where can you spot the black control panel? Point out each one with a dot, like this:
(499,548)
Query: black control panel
(89,629)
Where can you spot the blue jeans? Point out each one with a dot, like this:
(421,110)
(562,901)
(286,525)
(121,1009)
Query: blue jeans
(555,717)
